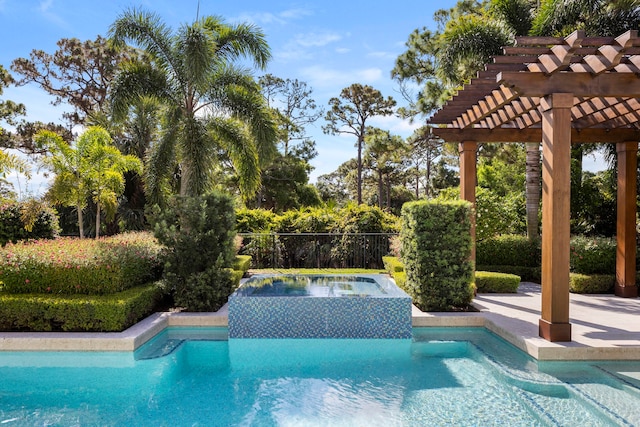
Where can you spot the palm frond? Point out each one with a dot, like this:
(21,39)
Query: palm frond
(241,41)
(232,135)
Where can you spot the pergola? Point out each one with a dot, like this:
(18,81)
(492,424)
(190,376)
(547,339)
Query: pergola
(557,91)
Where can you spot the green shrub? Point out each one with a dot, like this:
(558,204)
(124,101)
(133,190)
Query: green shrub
(392,264)
(436,251)
(199,235)
(80,266)
(591,284)
(593,255)
(242,263)
(236,276)
(254,220)
(105,313)
(487,282)
(527,274)
(41,222)
(400,277)
(508,249)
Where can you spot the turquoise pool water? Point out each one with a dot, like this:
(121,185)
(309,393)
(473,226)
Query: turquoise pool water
(196,377)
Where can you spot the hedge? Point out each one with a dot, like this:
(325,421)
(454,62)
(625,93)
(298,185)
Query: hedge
(591,284)
(508,250)
(106,313)
(392,264)
(527,274)
(80,266)
(491,282)
(242,263)
(436,253)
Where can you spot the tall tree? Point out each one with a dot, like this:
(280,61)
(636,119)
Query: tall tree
(295,107)
(349,115)
(383,154)
(9,110)
(94,169)
(210,104)
(78,73)
(425,150)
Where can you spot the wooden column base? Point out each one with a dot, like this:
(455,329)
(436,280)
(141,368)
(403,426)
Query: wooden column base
(626,291)
(554,332)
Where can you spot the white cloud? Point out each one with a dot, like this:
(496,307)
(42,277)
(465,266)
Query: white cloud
(319,76)
(46,9)
(316,39)
(298,47)
(343,50)
(396,125)
(280,18)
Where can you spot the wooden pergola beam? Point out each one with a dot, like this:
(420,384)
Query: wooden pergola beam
(507,135)
(617,85)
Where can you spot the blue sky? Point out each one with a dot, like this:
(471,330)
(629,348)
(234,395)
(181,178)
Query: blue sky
(329,45)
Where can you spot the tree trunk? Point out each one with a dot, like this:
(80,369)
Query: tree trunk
(380,196)
(80,220)
(532,188)
(359,182)
(388,192)
(97,220)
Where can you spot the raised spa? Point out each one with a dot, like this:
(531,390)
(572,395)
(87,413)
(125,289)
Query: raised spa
(319,306)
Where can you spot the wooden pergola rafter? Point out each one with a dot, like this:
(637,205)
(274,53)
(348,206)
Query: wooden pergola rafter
(557,91)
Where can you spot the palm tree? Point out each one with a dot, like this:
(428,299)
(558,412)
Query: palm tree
(209,104)
(92,169)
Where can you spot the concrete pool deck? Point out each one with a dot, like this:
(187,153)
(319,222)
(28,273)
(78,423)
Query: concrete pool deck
(604,327)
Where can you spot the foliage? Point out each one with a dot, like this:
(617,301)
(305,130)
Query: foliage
(510,249)
(93,169)
(436,251)
(592,255)
(591,284)
(392,264)
(106,313)
(495,214)
(211,106)
(349,114)
(198,233)
(491,282)
(595,17)
(43,222)
(75,266)
(78,73)
(254,220)
(242,263)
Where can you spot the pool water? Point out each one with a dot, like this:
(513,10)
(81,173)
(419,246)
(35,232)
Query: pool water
(316,286)
(196,377)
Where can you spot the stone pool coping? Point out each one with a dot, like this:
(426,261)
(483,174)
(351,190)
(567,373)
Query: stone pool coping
(604,327)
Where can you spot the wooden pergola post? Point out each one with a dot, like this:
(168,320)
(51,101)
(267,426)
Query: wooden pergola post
(468,159)
(556,191)
(626,220)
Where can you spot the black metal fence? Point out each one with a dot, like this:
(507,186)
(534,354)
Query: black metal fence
(316,250)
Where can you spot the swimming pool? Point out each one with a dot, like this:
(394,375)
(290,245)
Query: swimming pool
(195,376)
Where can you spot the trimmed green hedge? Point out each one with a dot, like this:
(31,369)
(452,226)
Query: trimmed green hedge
(392,264)
(106,313)
(508,250)
(242,263)
(436,253)
(491,282)
(527,274)
(591,284)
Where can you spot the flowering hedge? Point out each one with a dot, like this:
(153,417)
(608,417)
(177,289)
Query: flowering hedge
(80,266)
